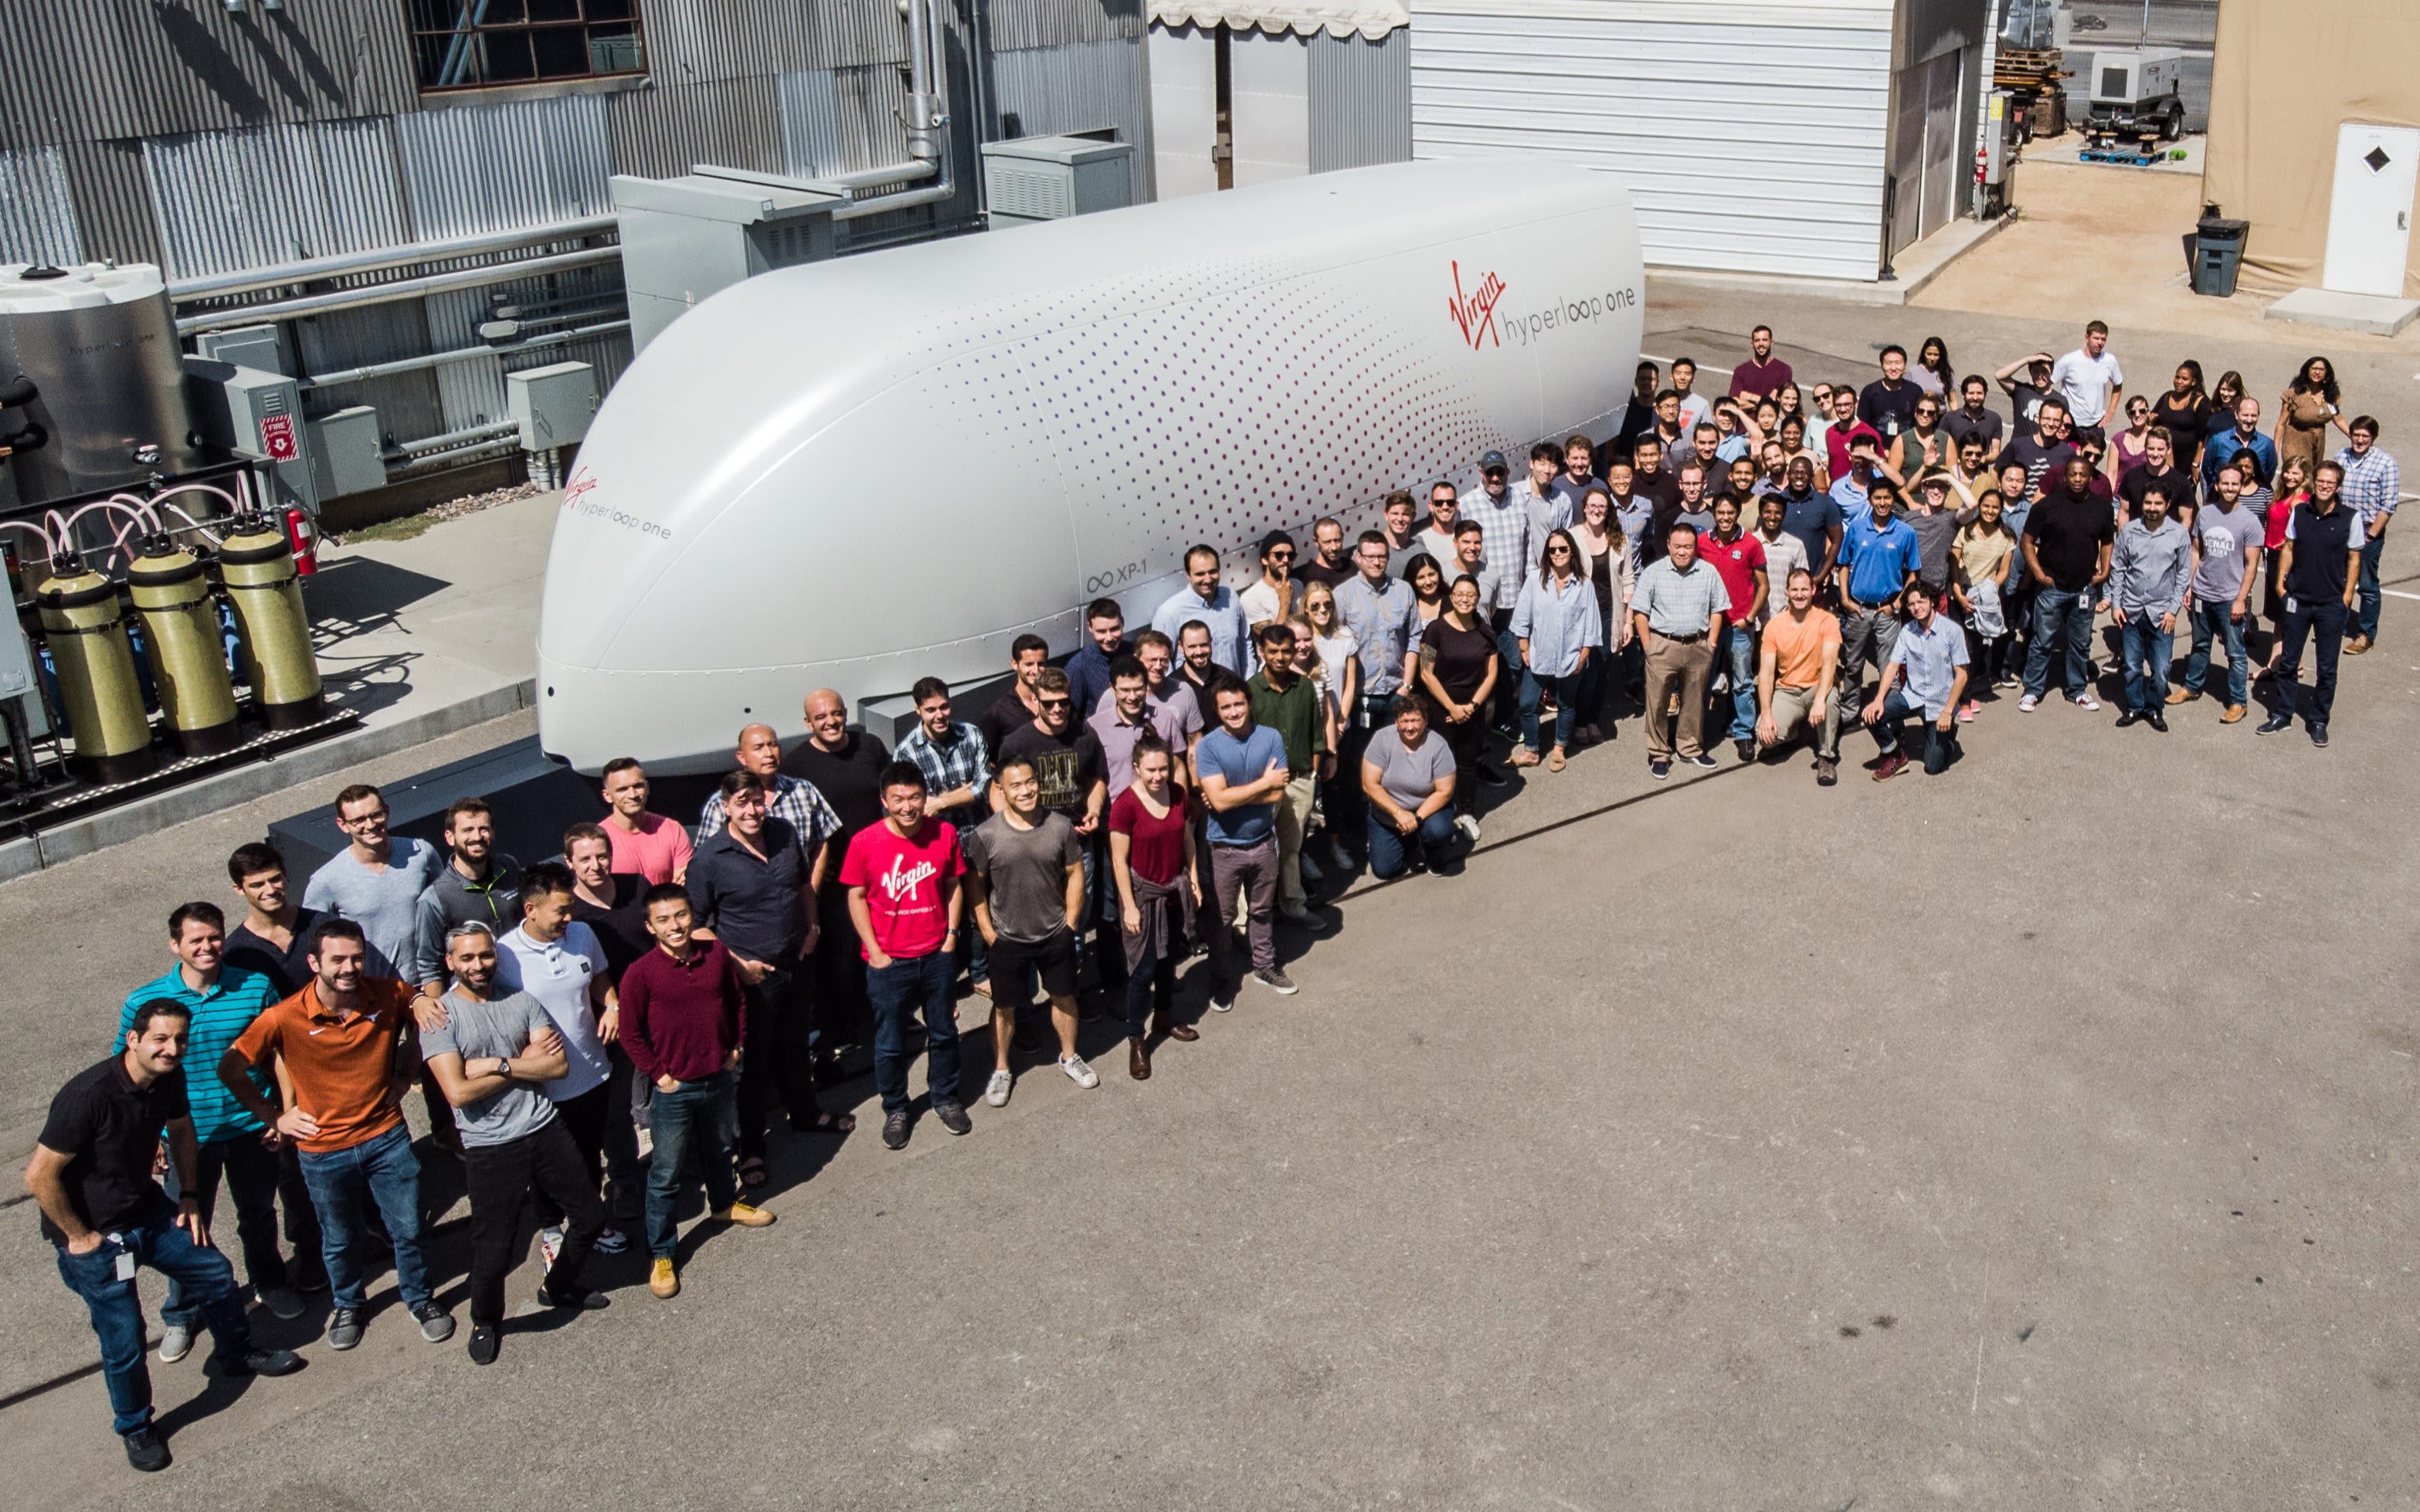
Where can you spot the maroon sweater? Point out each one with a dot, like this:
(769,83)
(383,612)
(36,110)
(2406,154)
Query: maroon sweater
(681,1018)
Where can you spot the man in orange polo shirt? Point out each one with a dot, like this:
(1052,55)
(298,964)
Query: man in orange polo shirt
(350,1051)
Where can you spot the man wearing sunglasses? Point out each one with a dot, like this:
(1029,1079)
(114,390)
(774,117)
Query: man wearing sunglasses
(1271,598)
(1073,771)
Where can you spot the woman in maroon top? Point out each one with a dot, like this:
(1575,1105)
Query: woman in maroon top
(1151,854)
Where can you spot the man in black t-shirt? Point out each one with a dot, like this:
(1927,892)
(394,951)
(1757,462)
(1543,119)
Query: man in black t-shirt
(2157,470)
(614,905)
(91,1176)
(1074,773)
(2043,450)
(2066,543)
(846,765)
(275,934)
(1027,655)
(1973,417)
(2321,569)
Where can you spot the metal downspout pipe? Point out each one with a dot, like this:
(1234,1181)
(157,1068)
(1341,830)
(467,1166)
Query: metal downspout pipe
(928,120)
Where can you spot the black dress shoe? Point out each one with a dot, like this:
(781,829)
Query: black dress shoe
(485,1343)
(2157,720)
(2130,717)
(1747,749)
(144,1450)
(2274,723)
(2318,734)
(265,1362)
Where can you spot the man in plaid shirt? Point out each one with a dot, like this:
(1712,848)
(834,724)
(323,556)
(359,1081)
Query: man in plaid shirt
(2372,485)
(1504,519)
(787,798)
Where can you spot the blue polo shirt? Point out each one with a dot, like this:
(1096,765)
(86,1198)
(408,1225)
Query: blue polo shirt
(1240,761)
(1880,560)
(220,1017)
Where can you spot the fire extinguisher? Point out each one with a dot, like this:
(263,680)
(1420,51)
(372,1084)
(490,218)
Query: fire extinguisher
(1982,158)
(305,542)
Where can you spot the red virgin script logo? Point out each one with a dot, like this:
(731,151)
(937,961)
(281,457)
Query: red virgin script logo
(581,483)
(1475,312)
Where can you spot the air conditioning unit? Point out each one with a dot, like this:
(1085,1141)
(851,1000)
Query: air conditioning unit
(1035,178)
(686,238)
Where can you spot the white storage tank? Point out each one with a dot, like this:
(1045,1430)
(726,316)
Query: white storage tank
(864,472)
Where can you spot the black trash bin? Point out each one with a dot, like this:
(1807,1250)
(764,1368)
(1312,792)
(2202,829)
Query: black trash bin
(2218,255)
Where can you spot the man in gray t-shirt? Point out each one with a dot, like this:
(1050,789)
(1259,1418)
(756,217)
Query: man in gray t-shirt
(1025,877)
(491,1056)
(2227,541)
(376,880)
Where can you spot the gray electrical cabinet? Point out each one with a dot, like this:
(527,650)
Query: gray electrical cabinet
(686,238)
(554,404)
(345,452)
(259,414)
(1033,179)
(245,347)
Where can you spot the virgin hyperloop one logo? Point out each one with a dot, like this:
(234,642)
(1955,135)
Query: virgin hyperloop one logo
(1475,312)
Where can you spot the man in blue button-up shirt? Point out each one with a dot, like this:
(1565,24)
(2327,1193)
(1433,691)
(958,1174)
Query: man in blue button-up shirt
(1925,673)
(1204,598)
(1879,557)
(222,1002)
(2245,441)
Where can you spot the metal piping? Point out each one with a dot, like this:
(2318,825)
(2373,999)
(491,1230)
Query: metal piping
(409,288)
(214,285)
(928,117)
(465,354)
(468,436)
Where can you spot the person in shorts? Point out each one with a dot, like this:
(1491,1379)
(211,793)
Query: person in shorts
(1025,877)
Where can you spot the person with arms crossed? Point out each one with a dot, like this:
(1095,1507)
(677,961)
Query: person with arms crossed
(1025,878)
(1285,701)
(682,1004)
(492,1055)
(1243,777)
(902,877)
(90,1177)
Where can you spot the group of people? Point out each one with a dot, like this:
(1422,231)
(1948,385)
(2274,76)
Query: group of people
(593,1033)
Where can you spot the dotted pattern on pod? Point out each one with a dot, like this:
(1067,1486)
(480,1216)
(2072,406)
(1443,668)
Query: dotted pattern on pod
(1268,398)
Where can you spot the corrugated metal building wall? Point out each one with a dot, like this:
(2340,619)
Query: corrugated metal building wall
(177,132)
(1299,103)
(1754,136)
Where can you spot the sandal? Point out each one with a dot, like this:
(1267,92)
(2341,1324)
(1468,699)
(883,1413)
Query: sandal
(828,1123)
(752,1171)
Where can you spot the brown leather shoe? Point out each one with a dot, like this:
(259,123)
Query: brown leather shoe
(2358,644)
(1168,1027)
(2233,713)
(1137,1060)
(2183,695)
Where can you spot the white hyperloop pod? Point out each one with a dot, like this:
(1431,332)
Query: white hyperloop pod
(864,471)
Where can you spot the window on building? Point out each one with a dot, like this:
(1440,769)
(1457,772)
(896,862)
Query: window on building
(467,44)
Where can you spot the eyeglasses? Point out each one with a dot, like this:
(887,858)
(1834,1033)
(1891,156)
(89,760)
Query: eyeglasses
(1055,703)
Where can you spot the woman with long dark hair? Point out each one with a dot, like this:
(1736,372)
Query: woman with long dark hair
(2310,405)
(2184,409)
(1932,371)
(1459,665)
(1427,580)
(1556,623)
(2223,401)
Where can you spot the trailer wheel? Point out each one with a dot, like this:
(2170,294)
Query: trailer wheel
(2172,124)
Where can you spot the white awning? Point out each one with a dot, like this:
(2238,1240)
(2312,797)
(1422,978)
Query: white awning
(1372,19)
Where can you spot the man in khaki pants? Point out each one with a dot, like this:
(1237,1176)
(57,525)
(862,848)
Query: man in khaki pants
(1678,610)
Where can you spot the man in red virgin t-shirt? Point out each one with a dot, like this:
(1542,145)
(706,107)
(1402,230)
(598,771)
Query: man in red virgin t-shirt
(902,877)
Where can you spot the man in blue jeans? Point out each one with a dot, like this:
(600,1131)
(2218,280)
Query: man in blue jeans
(902,877)
(2373,485)
(1925,675)
(2151,569)
(350,1050)
(2228,540)
(682,1007)
(2320,571)
(2067,542)
(91,1178)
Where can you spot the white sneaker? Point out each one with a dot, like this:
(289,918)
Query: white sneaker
(1468,824)
(2028,704)
(1079,1072)
(550,1242)
(996,1091)
(610,1242)
(175,1342)
(2084,701)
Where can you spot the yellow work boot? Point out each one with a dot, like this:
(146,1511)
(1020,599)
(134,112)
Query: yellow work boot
(745,1216)
(662,1279)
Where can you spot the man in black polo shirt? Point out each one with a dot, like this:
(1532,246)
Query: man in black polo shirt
(2322,571)
(752,885)
(91,1176)
(846,765)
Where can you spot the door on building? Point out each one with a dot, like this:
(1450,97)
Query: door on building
(1925,153)
(2369,213)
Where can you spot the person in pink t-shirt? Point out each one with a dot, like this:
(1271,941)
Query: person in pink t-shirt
(644,844)
(902,877)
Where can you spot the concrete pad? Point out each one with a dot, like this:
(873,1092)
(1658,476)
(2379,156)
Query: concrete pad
(2345,312)
(1915,266)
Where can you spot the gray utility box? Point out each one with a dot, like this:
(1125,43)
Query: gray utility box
(1051,177)
(685,240)
(345,450)
(258,414)
(245,347)
(554,404)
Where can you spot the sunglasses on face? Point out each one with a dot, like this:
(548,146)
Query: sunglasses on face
(1055,703)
